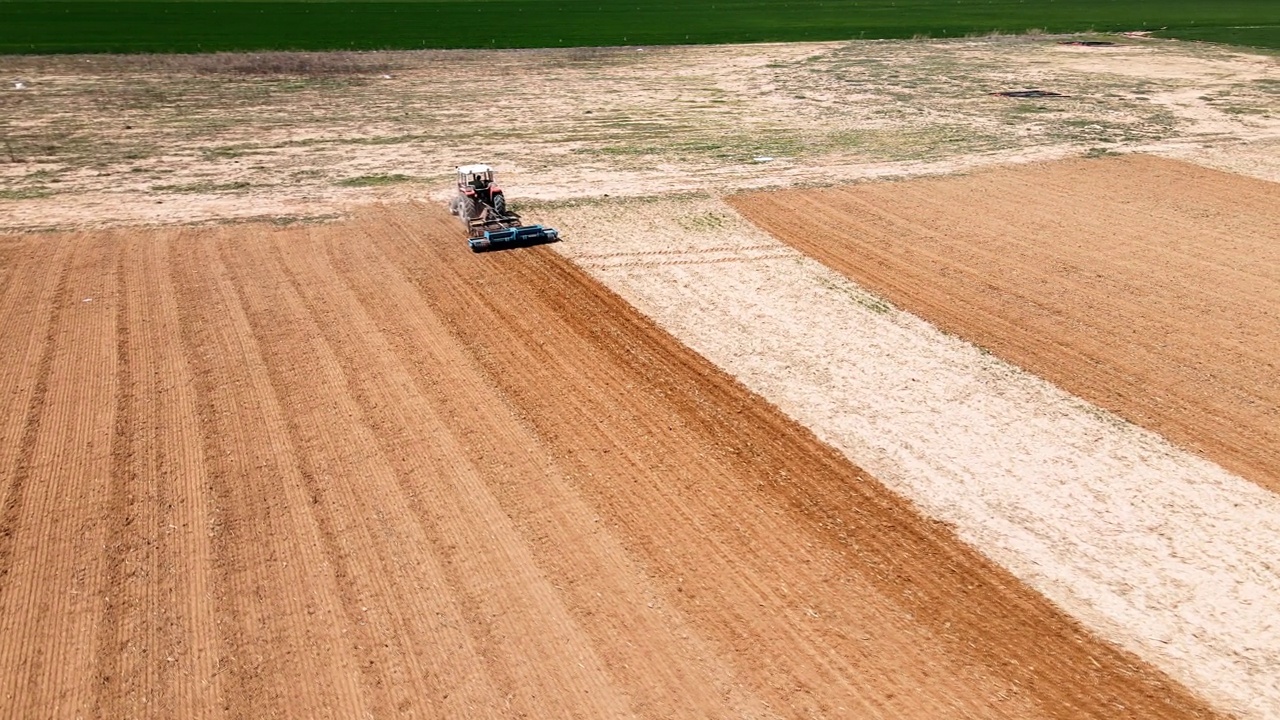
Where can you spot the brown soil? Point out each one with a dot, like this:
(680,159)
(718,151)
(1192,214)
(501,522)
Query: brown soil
(353,469)
(1148,287)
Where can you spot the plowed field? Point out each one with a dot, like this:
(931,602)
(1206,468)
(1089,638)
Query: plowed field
(1148,287)
(352,469)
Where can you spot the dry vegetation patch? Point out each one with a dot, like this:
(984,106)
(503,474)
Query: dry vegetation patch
(111,136)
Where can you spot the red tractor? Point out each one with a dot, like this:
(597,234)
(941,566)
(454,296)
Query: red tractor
(477,191)
(483,211)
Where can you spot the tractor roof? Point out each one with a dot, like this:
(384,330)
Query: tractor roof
(473,169)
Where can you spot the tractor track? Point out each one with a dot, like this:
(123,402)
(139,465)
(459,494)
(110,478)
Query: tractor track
(695,260)
(31,307)
(53,522)
(353,468)
(683,256)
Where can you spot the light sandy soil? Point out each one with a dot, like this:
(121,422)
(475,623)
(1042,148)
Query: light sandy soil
(112,140)
(1147,544)
(352,469)
(1148,287)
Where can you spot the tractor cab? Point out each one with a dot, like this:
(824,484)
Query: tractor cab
(474,177)
(477,191)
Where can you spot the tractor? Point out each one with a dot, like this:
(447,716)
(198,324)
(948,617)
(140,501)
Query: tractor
(482,208)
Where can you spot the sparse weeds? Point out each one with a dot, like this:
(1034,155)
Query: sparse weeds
(598,200)
(204,188)
(778,142)
(25,193)
(375,180)
(1030,109)
(863,299)
(1104,416)
(602,56)
(704,222)
(277,220)
(289,64)
(289,220)
(386,139)
(1242,110)
(919,143)
(228,152)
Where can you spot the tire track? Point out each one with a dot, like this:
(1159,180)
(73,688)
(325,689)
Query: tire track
(734,258)
(51,596)
(409,537)
(121,542)
(281,648)
(659,662)
(31,306)
(352,483)
(154,642)
(728,248)
(568,679)
(687,256)
(182,467)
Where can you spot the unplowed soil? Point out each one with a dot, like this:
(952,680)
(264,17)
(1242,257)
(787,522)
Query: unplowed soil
(352,469)
(1146,286)
(96,141)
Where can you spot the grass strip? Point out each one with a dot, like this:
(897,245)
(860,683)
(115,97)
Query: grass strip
(53,26)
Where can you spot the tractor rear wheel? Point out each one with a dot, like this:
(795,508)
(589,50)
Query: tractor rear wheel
(500,204)
(468,209)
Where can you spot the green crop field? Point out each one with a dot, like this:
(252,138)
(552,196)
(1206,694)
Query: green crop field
(1262,36)
(53,26)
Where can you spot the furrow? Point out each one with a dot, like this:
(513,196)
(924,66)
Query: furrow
(277,603)
(52,595)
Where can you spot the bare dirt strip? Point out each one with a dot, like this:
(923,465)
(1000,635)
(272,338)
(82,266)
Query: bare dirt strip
(1149,287)
(352,469)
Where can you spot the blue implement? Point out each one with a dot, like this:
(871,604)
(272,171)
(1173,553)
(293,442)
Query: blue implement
(513,237)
